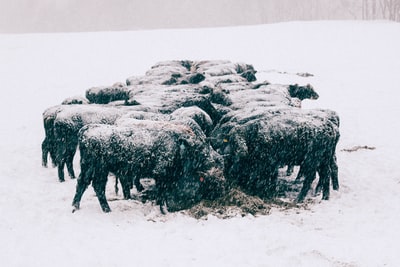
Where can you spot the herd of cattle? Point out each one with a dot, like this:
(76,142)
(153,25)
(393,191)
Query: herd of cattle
(198,128)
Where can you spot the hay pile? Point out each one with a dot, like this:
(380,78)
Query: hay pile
(234,203)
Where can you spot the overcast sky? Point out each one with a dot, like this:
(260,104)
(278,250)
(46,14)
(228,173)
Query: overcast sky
(94,15)
(18,16)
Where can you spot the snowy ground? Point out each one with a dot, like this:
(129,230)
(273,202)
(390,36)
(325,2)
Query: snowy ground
(357,73)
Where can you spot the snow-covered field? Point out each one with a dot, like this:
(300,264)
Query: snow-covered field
(356,71)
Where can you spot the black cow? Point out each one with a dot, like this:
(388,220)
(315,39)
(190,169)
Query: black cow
(323,114)
(185,167)
(170,72)
(67,124)
(48,144)
(75,100)
(107,94)
(302,92)
(257,148)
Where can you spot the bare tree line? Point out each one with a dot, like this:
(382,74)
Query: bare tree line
(381,9)
(385,9)
(284,10)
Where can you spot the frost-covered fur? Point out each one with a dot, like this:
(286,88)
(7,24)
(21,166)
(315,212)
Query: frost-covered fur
(62,124)
(75,100)
(167,99)
(302,92)
(193,112)
(107,94)
(258,147)
(265,96)
(197,114)
(332,116)
(177,72)
(48,144)
(224,67)
(185,167)
(239,95)
(220,102)
(167,73)
(67,124)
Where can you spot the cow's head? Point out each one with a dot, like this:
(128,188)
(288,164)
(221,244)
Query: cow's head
(303,92)
(202,176)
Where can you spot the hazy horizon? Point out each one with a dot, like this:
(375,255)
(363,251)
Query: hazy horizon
(26,16)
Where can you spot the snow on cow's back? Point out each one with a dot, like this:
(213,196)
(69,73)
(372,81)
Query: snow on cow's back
(298,124)
(173,127)
(186,132)
(291,117)
(87,114)
(52,112)
(99,132)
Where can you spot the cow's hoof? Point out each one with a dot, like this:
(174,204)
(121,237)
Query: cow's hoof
(163,209)
(325,197)
(336,187)
(106,209)
(75,208)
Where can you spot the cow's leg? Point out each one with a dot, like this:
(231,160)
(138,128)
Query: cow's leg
(81,186)
(100,189)
(138,185)
(334,173)
(161,198)
(300,174)
(70,158)
(272,182)
(53,161)
(127,192)
(116,185)
(309,174)
(163,206)
(126,188)
(324,180)
(320,183)
(61,171)
(45,152)
(70,169)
